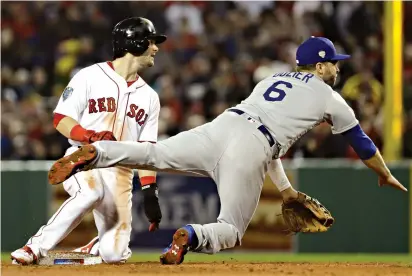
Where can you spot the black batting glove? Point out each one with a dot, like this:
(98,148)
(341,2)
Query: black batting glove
(151,205)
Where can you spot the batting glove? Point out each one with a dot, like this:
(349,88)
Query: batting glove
(93,136)
(151,205)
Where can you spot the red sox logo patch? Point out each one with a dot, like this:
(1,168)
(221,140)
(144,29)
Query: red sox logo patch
(109,105)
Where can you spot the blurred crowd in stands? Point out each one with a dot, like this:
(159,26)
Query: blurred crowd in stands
(215,53)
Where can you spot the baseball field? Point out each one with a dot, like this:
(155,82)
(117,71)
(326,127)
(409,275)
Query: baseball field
(235,263)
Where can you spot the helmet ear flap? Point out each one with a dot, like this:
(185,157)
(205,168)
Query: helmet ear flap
(145,45)
(118,50)
(137,47)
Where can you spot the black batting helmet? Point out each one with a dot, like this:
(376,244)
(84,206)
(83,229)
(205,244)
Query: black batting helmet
(132,35)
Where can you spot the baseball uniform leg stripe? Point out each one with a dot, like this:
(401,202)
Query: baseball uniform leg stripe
(77,181)
(54,217)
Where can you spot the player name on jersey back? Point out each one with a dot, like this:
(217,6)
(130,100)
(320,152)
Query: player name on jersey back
(305,77)
(290,104)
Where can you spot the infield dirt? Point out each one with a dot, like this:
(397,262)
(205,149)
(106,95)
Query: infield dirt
(215,269)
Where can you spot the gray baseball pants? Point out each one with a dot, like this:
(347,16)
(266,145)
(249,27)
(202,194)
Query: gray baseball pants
(230,149)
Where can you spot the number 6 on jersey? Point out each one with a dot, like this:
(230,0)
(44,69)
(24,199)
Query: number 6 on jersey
(274,89)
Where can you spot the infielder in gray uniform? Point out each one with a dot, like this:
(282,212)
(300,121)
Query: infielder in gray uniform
(241,145)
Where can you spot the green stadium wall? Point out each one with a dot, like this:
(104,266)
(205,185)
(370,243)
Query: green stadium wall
(368,218)
(25,199)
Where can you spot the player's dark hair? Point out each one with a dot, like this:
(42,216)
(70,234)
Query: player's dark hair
(307,67)
(312,67)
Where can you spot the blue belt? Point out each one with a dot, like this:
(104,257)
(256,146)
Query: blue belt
(262,128)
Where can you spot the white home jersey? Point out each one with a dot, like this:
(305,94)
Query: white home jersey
(290,104)
(100,99)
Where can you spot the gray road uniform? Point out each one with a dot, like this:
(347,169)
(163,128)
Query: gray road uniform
(239,147)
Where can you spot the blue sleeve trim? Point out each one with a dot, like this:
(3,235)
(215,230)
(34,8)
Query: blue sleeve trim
(360,142)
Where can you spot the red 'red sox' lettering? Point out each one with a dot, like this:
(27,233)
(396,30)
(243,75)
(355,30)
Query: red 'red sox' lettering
(109,105)
(92,106)
(137,115)
(102,105)
(132,112)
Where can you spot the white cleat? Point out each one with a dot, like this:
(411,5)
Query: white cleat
(24,256)
(91,248)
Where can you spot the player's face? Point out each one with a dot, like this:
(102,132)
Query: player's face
(147,58)
(329,72)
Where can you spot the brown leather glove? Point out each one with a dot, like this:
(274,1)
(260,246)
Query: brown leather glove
(306,214)
(92,136)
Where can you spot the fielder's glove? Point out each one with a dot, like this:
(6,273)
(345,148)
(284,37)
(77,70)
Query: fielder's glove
(151,205)
(306,214)
(92,136)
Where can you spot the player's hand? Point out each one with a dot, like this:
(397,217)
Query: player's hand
(151,206)
(391,181)
(153,226)
(93,136)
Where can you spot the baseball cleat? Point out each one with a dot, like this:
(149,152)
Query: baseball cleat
(91,248)
(175,252)
(65,167)
(24,256)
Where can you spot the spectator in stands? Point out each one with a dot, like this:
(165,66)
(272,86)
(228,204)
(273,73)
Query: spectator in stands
(215,54)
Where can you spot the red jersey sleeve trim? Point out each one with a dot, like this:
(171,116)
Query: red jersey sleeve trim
(57,118)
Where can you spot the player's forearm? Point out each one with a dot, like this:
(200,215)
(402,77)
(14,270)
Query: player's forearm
(367,151)
(278,175)
(65,126)
(377,164)
(71,129)
(150,197)
(281,181)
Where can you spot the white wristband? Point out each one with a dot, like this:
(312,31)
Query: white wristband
(278,175)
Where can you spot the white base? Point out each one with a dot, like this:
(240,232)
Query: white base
(70,258)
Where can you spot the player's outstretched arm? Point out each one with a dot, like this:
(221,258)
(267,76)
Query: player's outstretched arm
(71,129)
(279,178)
(377,164)
(371,157)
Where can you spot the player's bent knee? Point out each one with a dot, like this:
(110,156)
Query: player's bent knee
(112,259)
(238,231)
(110,256)
(230,237)
(114,252)
(237,236)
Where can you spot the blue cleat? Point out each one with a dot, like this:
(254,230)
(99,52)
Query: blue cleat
(183,239)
